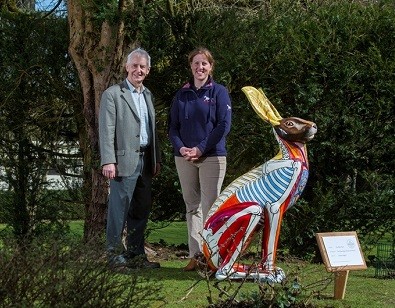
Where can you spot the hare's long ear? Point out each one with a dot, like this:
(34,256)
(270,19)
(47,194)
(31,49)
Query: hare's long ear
(262,106)
(275,112)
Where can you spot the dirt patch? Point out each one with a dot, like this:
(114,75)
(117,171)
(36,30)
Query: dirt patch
(164,253)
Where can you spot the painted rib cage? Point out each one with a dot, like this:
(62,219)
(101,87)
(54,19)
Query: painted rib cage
(237,184)
(268,189)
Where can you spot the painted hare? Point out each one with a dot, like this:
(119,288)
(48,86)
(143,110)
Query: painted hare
(258,199)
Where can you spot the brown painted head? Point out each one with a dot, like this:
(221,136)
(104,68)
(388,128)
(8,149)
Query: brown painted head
(291,129)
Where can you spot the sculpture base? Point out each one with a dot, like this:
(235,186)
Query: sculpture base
(248,272)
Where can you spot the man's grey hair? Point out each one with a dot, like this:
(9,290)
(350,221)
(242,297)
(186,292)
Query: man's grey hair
(141,52)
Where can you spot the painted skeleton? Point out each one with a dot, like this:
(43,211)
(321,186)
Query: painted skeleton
(258,199)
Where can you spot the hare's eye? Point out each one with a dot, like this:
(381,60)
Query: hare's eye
(289,123)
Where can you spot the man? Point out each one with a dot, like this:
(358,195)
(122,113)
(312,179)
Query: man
(130,157)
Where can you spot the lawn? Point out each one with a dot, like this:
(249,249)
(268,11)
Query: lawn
(174,233)
(185,290)
(189,289)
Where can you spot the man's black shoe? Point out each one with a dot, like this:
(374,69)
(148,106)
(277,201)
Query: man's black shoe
(118,264)
(144,264)
(117,261)
(141,262)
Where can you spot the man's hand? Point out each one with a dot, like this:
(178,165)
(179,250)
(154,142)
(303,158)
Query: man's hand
(157,169)
(109,171)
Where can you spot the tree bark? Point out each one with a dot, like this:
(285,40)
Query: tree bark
(98,50)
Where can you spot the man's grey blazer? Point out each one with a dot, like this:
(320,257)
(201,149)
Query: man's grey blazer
(119,129)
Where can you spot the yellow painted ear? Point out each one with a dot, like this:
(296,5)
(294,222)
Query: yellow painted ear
(262,106)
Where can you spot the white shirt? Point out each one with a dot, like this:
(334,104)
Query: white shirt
(142,110)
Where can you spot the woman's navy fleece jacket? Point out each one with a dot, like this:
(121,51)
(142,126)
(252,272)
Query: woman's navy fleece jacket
(200,118)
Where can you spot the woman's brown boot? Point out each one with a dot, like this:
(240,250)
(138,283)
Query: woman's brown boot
(191,265)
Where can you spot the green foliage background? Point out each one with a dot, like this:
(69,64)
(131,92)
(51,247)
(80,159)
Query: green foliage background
(37,93)
(331,62)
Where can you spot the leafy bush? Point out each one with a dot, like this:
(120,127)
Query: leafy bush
(60,273)
(293,291)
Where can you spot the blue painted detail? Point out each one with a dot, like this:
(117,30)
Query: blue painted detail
(268,189)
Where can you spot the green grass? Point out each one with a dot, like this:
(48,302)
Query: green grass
(188,289)
(77,227)
(173,234)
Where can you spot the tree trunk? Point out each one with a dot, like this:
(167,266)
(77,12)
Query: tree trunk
(98,50)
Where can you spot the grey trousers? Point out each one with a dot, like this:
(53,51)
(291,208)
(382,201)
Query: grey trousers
(129,204)
(201,183)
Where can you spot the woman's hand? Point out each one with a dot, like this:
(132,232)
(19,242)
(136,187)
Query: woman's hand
(191,154)
(184,151)
(195,154)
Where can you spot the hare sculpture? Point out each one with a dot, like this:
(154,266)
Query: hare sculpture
(256,201)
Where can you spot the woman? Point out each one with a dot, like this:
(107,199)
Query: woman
(200,119)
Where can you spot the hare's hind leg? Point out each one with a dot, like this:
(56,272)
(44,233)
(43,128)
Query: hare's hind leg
(227,234)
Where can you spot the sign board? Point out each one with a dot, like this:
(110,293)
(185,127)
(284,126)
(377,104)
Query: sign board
(341,251)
